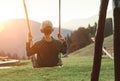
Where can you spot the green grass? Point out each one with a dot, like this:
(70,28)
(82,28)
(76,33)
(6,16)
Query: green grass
(74,69)
(108,41)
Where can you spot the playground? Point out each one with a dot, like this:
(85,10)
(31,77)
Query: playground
(99,64)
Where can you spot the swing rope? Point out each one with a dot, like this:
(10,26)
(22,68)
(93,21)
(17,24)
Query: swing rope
(34,63)
(59,30)
(28,23)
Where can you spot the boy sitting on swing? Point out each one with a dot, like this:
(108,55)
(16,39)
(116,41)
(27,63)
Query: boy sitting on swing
(47,49)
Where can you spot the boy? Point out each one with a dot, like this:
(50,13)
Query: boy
(47,49)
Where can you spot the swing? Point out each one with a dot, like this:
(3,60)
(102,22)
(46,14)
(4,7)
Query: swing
(29,30)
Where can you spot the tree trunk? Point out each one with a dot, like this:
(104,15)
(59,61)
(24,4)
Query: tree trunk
(116,13)
(99,41)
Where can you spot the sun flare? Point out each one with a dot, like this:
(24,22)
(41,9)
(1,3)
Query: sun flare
(10,9)
(1,27)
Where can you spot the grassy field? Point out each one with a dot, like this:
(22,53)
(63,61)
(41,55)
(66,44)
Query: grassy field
(77,67)
(74,69)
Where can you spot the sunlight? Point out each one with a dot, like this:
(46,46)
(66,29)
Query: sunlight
(3,16)
(11,9)
(1,27)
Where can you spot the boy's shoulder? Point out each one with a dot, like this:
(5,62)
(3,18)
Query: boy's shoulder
(43,41)
(56,40)
(39,42)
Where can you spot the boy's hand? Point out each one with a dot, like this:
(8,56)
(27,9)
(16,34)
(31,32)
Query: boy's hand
(61,37)
(29,37)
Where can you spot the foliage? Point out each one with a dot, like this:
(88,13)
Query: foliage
(92,29)
(79,39)
(108,27)
(68,40)
(82,36)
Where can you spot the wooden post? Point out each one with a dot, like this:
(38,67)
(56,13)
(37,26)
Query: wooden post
(99,41)
(116,13)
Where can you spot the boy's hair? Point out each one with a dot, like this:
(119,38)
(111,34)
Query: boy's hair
(46,27)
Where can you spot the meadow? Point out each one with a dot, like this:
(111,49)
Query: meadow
(74,69)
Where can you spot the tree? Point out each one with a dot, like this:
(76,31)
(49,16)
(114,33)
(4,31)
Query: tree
(79,39)
(95,25)
(68,40)
(99,41)
(92,29)
(108,27)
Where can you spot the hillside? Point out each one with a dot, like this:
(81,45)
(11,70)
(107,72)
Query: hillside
(14,35)
(89,50)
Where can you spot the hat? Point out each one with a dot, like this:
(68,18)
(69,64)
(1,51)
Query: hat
(46,25)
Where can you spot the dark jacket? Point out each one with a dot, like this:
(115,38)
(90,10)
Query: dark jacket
(47,52)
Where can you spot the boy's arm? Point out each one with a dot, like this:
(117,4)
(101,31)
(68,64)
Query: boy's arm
(64,44)
(31,50)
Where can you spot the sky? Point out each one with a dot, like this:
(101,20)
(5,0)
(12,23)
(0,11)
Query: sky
(40,10)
